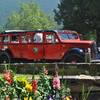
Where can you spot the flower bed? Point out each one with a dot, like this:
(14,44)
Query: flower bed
(21,88)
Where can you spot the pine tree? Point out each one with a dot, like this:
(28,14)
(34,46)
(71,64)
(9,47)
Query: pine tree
(79,15)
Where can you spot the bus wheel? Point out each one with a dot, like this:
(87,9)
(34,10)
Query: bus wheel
(4,57)
(74,58)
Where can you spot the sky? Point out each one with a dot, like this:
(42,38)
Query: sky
(8,6)
(48,5)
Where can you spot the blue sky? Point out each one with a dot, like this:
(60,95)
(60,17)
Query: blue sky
(48,5)
(8,6)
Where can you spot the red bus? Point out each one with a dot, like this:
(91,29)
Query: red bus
(43,45)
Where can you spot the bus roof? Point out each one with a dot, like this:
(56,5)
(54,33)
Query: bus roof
(16,31)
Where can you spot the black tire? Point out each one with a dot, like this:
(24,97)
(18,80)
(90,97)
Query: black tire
(5,57)
(74,58)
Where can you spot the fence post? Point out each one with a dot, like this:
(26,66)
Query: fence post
(88,55)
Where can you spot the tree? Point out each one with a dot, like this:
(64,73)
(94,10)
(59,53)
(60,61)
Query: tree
(1,28)
(79,15)
(29,17)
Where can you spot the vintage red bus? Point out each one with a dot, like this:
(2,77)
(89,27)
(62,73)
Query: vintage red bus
(43,45)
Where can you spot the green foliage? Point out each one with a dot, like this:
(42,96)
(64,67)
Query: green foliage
(37,88)
(85,92)
(65,90)
(79,15)
(44,86)
(29,17)
(1,28)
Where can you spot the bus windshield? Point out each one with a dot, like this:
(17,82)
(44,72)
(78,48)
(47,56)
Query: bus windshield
(68,36)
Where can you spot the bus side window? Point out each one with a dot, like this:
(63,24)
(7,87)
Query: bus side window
(51,38)
(24,39)
(38,38)
(1,39)
(6,39)
(30,39)
(15,39)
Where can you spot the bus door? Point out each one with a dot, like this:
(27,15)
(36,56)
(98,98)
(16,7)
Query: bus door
(33,48)
(15,45)
(24,45)
(52,46)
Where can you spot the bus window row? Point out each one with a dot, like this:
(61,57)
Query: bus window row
(27,38)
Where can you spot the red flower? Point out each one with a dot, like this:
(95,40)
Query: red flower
(34,86)
(8,77)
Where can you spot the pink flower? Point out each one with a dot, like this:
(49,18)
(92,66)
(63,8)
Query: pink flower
(56,82)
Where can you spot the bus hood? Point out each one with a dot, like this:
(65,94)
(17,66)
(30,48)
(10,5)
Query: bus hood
(78,41)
